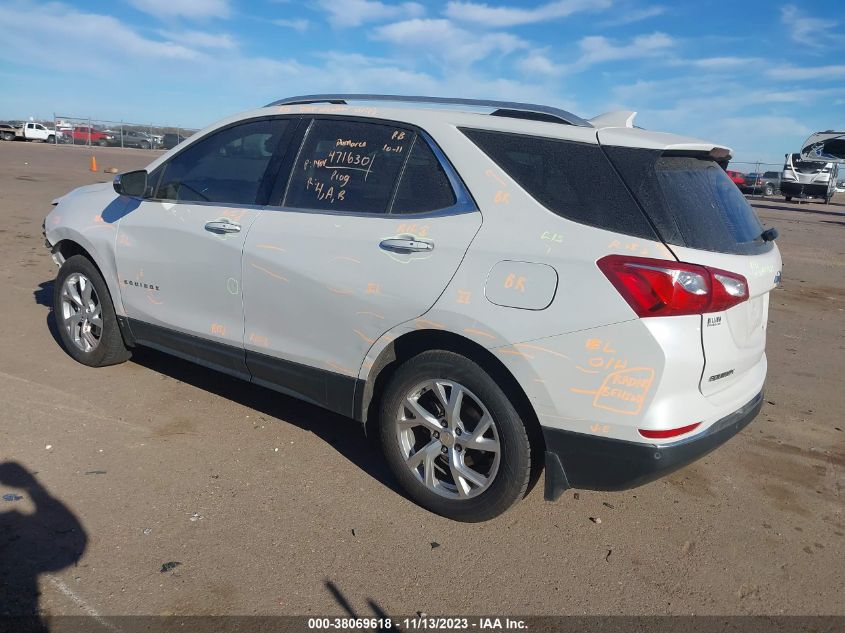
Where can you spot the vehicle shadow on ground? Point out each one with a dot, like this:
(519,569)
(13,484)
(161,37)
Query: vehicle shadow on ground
(43,296)
(344,434)
(794,207)
(31,544)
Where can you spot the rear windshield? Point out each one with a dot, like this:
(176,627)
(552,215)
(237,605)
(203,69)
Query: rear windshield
(691,200)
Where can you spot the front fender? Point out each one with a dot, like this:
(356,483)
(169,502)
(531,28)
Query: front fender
(98,239)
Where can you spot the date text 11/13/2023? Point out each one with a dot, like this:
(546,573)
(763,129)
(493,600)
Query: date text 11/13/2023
(421,623)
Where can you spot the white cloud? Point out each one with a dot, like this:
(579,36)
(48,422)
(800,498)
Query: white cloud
(797,73)
(299,24)
(723,63)
(635,15)
(200,39)
(537,63)
(352,13)
(597,49)
(441,39)
(199,9)
(76,40)
(110,56)
(809,31)
(484,14)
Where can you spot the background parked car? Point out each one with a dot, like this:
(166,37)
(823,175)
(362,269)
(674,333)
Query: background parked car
(766,184)
(808,178)
(7,132)
(133,138)
(169,141)
(738,178)
(81,135)
(31,131)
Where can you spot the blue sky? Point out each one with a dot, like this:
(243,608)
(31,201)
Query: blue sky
(758,76)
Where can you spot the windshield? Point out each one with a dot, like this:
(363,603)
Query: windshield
(806,166)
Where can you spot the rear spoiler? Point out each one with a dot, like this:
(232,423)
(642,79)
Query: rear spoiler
(617,118)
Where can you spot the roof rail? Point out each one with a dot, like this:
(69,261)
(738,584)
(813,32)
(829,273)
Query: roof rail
(501,108)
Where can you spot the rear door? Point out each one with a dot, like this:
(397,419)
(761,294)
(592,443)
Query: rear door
(705,220)
(369,228)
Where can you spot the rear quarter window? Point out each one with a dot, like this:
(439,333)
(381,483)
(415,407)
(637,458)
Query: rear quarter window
(424,185)
(574,180)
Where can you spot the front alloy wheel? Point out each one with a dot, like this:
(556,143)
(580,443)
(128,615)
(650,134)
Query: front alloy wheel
(448,439)
(85,315)
(81,312)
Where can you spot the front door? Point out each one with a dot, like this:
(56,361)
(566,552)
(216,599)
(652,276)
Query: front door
(370,230)
(179,252)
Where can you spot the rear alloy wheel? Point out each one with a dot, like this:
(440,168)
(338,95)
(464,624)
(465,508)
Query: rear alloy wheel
(85,316)
(453,439)
(452,456)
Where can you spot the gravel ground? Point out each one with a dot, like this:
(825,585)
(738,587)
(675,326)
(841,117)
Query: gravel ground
(270,506)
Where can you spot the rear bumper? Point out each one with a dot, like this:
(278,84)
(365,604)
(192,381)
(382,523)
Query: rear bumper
(578,460)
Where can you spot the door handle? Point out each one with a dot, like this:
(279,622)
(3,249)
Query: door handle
(406,245)
(223,227)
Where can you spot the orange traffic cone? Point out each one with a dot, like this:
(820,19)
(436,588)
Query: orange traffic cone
(93,163)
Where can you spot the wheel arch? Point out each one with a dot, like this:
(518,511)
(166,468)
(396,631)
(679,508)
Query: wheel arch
(408,345)
(68,246)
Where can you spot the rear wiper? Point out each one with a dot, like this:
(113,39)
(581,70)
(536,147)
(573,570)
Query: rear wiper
(769,235)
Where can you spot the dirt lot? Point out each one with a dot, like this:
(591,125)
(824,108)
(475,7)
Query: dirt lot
(275,507)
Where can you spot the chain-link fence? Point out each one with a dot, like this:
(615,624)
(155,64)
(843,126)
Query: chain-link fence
(93,132)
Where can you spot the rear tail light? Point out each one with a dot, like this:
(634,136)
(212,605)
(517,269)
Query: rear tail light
(657,287)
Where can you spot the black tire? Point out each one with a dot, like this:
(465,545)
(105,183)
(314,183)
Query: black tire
(769,191)
(51,139)
(145,145)
(102,142)
(788,198)
(510,482)
(111,349)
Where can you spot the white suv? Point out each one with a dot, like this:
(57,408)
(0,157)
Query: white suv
(494,287)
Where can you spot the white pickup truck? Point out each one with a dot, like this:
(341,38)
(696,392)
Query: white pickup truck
(35,132)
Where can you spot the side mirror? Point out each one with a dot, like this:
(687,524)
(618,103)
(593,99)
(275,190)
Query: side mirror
(132,183)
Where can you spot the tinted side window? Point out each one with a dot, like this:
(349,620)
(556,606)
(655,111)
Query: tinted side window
(424,185)
(225,167)
(348,166)
(574,180)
